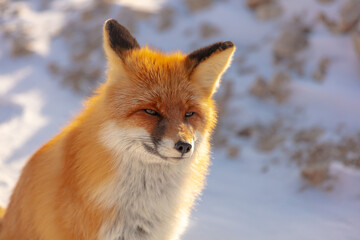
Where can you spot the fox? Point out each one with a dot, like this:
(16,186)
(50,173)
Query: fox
(132,164)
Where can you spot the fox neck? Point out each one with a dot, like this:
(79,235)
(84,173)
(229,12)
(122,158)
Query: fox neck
(145,199)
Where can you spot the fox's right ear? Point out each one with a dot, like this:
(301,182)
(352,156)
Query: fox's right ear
(207,65)
(117,40)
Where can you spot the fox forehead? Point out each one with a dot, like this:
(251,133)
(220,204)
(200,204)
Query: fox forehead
(165,74)
(146,60)
(155,79)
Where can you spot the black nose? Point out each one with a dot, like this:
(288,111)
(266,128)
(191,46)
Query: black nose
(182,147)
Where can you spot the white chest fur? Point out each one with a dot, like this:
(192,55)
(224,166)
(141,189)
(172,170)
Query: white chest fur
(146,194)
(147,203)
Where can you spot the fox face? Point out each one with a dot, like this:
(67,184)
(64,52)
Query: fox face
(160,104)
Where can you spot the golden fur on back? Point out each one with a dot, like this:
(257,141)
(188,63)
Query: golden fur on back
(116,171)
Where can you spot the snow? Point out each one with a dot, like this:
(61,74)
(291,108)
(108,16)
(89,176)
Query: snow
(247,197)
(240,202)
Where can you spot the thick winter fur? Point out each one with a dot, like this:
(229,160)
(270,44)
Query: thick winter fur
(117,172)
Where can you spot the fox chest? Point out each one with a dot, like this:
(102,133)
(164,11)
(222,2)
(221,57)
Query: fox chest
(147,205)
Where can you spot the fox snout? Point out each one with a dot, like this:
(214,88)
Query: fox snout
(183,147)
(167,149)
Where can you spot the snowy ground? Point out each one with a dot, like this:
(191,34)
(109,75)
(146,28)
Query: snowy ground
(251,193)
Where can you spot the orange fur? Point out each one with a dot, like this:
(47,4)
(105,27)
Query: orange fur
(53,197)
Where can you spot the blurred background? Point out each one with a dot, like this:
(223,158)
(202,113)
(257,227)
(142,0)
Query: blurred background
(286,155)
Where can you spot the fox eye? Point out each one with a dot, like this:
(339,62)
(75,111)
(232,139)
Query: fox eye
(189,114)
(151,112)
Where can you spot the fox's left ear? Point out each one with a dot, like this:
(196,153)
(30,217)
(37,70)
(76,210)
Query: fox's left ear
(117,40)
(208,64)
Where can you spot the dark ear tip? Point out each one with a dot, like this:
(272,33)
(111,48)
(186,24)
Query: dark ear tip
(205,52)
(226,45)
(119,37)
(110,24)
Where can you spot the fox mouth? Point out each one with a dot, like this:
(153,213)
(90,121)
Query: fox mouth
(154,151)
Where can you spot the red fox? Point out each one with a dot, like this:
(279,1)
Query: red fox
(131,165)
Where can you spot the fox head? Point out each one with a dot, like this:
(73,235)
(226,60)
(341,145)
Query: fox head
(160,105)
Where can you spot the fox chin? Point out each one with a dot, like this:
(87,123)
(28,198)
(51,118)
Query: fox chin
(133,163)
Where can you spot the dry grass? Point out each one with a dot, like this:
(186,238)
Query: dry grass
(19,37)
(277,89)
(326,1)
(348,19)
(257,3)
(166,18)
(198,5)
(349,15)
(316,174)
(268,11)
(233,152)
(321,70)
(305,148)
(270,137)
(208,30)
(265,9)
(292,40)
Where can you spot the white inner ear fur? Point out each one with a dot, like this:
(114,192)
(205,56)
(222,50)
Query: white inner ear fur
(109,52)
(116,68)
(208,73)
